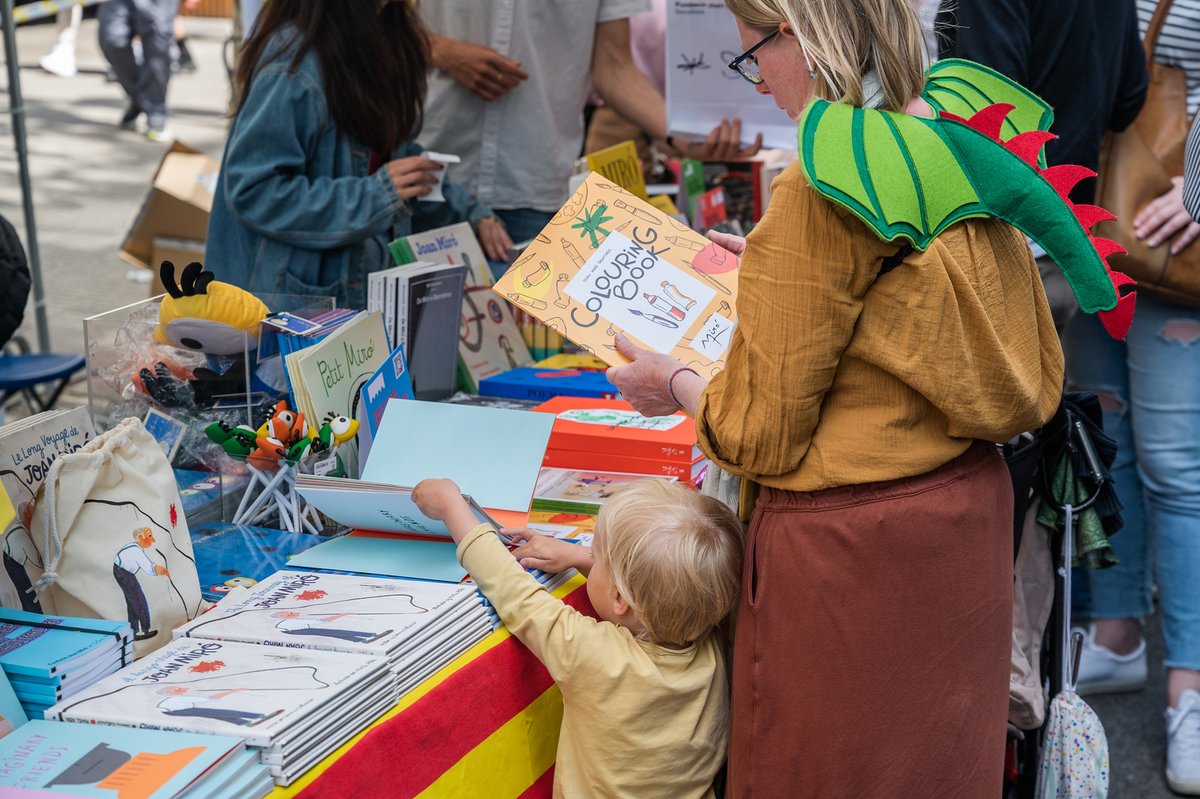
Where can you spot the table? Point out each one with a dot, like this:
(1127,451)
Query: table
(486,724)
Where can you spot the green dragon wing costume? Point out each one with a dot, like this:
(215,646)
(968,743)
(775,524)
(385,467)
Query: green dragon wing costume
(909,178)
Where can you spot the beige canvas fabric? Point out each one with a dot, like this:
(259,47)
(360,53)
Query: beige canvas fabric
(1033,598)
(111,532)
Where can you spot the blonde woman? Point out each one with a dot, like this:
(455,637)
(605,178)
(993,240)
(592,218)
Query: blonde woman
(865,382)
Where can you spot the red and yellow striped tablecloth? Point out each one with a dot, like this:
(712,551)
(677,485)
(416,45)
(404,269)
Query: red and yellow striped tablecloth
(487,724)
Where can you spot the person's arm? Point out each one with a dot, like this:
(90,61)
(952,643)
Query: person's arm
(805,271)
(624,87)
(551,629)
(994,33)
(551,555)
(480,70)
(265,171)
(1191,172)
(1134,80)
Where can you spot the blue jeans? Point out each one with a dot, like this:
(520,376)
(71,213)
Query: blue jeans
(152,20)
(522,225)
(1149,386)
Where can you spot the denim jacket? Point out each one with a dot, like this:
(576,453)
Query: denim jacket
(295,211)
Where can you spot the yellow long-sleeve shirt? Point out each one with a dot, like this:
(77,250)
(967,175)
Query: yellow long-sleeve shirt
(638,720)
(835,378)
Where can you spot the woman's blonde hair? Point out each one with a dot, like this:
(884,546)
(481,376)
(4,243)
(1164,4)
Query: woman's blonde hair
(674,555)
(845,39)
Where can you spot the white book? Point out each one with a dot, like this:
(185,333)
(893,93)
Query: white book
(336,612)
(258,693)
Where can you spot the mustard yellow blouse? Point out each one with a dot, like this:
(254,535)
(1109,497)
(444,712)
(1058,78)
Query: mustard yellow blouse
(836,378)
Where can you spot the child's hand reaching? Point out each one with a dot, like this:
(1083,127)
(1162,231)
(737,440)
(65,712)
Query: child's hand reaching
(551,555)
(441,499)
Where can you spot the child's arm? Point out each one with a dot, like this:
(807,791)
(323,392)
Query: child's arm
(549,554)
(550,628)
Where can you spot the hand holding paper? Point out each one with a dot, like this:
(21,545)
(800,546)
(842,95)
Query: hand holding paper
(415,176)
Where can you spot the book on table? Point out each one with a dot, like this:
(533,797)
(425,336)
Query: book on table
(609,262)
(489,341)
(236,555)
(421,305)
(415,625)
(537,383)
(54,758)
(613,427)
(27,448)
(327,376)
(453,244)
(581,490)
(294,705)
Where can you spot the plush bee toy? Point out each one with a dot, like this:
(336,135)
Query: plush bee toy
(199,313)
(202,315)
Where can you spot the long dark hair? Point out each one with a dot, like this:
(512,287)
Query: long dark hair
(373,62)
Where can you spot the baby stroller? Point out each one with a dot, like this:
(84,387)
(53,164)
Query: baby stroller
(1064,465)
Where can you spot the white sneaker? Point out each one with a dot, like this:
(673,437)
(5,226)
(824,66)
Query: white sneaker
(59,61)
(1183,745)
(1102,671)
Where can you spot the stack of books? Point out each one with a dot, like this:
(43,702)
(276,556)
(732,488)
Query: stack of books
(418,627)
(421,304)
(453,244)
(51,658)
(294,705)
(55,759)
(610,436)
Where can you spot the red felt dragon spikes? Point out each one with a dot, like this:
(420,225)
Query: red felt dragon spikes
(1063,178)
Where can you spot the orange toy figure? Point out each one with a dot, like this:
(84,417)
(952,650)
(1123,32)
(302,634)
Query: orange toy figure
(268,455)
(284,425)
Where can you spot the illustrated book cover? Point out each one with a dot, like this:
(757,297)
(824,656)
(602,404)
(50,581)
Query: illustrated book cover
(27,448)
(489,341)
(580,491)
(613,427)
(104,761)
(328,376)
(453,244)
(609,262)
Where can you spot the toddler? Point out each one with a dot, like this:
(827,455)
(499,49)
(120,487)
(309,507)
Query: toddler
(646,703)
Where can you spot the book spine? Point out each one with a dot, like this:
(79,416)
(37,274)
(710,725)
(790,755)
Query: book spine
(602,462)
(631,447)
(565,506)
(402,315)
(389,310)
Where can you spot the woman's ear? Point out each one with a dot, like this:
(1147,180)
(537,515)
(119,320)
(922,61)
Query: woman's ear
(786,29)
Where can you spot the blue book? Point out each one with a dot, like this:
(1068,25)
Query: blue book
(95,760)
(67,645)
(12,715)
(232,555)
(390,381)
(534,383)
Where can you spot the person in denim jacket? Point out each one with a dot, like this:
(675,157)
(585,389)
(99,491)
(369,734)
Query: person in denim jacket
(321,169)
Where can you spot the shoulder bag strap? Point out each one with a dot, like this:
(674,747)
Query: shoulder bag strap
(1150,41)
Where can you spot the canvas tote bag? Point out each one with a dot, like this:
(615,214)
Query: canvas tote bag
(111,532)
(1136,166)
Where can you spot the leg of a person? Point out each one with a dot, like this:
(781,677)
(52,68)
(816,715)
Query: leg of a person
(155,24)
(1096,362)
(116,42)
(1164,367)
(68,29)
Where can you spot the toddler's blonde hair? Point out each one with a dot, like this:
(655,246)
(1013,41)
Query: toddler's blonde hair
(674,555)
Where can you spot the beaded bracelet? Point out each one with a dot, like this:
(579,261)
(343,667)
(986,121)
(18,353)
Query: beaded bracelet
(671,382)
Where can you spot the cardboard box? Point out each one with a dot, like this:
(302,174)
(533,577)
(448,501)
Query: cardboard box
(180,252)
(176,205)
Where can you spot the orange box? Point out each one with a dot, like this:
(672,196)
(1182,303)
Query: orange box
(604,427)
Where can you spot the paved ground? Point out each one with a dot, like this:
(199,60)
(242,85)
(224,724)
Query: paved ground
(88,178)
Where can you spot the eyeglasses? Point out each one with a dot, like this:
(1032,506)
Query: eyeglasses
(746,64)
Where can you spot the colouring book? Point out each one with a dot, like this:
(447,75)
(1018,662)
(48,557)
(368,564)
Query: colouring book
(118,762)
(609,263)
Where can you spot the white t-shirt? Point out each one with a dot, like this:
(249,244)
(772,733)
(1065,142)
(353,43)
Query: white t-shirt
(518,152)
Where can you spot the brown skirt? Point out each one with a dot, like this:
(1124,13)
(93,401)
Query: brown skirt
(873,635)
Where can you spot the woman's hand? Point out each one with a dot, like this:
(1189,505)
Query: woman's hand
(644,383)
(724,143)
(493,238)
(735,244)
(551,555)
(481,70)
(1166,217)
(413,176)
